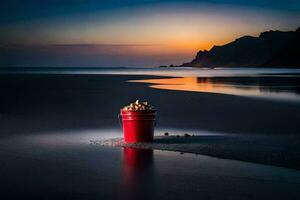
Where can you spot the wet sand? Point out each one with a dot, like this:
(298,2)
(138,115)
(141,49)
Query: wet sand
(42,116)
(34,170)
(276,150)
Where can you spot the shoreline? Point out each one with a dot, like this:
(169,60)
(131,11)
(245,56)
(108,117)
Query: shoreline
(234,147)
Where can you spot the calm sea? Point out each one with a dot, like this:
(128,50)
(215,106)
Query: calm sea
(177,72)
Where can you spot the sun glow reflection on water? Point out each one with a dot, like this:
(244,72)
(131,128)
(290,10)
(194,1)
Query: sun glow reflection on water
(209,85)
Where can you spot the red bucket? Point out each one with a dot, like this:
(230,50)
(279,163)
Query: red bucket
(138,126)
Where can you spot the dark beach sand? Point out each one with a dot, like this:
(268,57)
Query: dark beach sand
(42,116)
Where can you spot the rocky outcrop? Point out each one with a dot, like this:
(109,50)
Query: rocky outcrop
(270,49)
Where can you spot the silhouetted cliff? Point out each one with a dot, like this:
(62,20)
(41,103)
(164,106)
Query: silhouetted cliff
(270,49)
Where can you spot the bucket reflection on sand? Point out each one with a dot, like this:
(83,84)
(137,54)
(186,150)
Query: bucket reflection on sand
(137,173)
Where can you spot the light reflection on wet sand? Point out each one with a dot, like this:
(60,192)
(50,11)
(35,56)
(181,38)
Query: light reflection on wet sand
(234,87)
(138,173)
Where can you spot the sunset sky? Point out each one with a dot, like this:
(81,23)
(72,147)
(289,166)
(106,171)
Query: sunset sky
(171,29)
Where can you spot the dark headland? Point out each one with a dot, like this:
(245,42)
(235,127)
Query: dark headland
(269,49)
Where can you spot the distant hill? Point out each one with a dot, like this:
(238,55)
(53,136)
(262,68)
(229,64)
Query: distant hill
(270,49)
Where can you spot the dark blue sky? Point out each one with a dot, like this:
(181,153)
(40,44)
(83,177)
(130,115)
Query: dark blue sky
(12,11)
(131,33)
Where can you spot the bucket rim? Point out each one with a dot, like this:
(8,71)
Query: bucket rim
(137,111)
